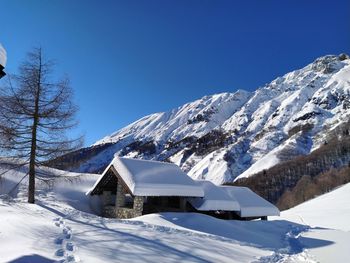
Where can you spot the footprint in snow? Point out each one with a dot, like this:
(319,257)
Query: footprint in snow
(64,241)
(72,258)
(59,241)
(69,259)
(60,252)
(58,222)
(67,228)
(70,246)
(67,232)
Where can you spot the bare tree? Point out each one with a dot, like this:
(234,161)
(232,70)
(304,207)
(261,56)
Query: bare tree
(36,111)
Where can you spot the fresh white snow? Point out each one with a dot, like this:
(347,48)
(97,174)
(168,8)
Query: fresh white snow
(295,145)
(250,204)
(151,178)
(55,229)
(328,216)
(257,125)
(215,199)
(173,125)
(331,210)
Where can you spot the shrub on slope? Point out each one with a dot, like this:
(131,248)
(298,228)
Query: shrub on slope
(289,183)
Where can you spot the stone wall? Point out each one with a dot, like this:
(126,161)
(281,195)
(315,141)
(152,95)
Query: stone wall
(109,211)
(138,205)
(119,210)
(120,197)
(125,213)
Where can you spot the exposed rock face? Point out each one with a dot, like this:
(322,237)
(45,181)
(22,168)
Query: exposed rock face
(230,135)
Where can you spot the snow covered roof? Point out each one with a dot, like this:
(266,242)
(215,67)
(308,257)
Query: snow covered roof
(215,199)
(3,57)
(251,204)
(151,178)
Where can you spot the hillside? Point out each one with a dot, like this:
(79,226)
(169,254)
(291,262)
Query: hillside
(234,135)
(330,210)
(301,178)
(63,227)
(328,215)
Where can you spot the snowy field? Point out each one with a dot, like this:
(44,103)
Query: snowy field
(61,227)
(329,219)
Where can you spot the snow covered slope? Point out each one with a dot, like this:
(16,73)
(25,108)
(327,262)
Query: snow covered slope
(192,119)
(331,210)
(231,135)
(61,228)
(329,217)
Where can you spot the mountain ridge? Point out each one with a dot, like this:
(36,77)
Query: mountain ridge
(222,137)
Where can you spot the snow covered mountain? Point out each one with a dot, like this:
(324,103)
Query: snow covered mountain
(233,135)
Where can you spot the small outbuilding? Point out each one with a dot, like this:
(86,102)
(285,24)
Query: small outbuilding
(232,202)
(215,201)
(251,205)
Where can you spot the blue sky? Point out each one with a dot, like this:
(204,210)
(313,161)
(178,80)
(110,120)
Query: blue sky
(127,59)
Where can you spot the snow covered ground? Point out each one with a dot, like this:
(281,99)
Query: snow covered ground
(61,227)
(329,218)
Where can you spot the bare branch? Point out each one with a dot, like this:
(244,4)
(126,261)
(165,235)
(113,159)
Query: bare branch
(35,114)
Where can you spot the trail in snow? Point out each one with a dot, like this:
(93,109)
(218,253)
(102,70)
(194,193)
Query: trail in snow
(76,235)
(64,241)
(294,250)
(302,220)
(290,250)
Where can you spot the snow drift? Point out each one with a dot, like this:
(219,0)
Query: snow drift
(55,229)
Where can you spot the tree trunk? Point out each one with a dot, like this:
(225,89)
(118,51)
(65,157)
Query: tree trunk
(32,161)
(31,187)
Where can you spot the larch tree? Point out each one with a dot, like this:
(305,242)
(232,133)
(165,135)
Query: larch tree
(36,111)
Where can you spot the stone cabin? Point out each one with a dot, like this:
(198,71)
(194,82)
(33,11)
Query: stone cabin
(130,188)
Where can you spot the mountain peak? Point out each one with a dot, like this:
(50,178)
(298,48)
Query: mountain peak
(329,63)
(227,135)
